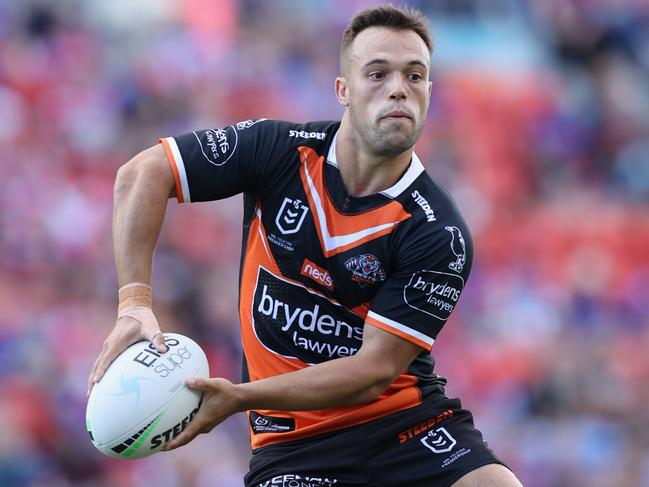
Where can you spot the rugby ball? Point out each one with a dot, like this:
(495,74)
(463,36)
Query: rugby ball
(142,401)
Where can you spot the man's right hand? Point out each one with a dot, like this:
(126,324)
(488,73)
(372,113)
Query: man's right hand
(134,323)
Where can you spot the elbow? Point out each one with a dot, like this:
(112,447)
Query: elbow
(128,173)
(375,391)
(149,167)
(124,177)
(382,377)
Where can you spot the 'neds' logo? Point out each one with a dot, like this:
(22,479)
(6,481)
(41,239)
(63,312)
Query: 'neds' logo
(318,274)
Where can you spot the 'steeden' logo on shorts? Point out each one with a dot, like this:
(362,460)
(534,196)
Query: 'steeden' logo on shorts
(423,427)
(290,216)
(439,441)
(218,145)
(434,293)
(292,321)
(366,269)
(458,247)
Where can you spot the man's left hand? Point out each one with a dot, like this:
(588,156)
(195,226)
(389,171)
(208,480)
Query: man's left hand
(219,403)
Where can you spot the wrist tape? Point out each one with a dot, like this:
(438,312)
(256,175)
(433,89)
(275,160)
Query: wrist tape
(134,294)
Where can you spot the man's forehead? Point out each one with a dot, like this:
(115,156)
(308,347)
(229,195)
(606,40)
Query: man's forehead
(391,45)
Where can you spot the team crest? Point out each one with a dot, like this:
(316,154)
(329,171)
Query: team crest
(290,216)
(365,269)
(439,441)
(458,247)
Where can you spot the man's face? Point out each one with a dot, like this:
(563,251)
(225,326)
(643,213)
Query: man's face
(386,88)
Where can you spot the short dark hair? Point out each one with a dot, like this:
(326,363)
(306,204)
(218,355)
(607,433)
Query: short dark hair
(403,18)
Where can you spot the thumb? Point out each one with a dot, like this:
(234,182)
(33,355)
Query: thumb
(198,384)
(158,341)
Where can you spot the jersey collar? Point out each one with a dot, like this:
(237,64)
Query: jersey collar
(414,170)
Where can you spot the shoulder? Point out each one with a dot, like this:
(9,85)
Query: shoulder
(435,218)
(429,202)
(290,131)
(281,136)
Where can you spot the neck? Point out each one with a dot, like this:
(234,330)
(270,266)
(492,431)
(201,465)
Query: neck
(362,171)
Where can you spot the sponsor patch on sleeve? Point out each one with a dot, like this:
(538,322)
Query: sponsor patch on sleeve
(434,293)
(218,145)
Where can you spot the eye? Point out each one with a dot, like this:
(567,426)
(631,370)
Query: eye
(415,77)
(376,75)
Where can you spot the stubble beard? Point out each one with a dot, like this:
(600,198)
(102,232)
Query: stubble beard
(383,138)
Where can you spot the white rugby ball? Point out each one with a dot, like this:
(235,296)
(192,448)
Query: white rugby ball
(142,401)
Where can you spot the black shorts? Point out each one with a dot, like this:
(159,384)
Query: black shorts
(433,444)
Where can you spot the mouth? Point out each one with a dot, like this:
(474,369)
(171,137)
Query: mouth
(397,115)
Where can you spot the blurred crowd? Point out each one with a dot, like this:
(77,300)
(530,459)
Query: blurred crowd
(538,125)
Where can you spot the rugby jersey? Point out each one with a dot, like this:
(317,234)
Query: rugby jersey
(318,263)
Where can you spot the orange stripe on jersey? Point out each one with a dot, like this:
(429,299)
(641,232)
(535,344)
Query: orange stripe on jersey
(396,331)
(361,310)
(258,254)
(399,396)
(339,232)
(173,163)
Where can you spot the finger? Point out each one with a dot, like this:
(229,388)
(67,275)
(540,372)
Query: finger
(103,362)
(193,429)
(158,341)
(92,378)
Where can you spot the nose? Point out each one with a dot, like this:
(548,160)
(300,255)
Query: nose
(397,88)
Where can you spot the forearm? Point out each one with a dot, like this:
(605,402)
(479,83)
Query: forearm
(341,382)
(142,189)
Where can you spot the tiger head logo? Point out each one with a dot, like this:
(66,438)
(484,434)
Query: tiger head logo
(365,269)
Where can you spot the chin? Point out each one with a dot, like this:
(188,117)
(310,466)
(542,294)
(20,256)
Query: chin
(391,145)
(395,141)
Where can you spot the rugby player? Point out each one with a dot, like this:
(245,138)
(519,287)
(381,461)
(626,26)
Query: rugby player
(353,260)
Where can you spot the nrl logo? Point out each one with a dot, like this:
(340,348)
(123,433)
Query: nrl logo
(365,269)
(261,421)
(439,441)
(290,216)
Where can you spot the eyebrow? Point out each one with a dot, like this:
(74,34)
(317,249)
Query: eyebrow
(414,62)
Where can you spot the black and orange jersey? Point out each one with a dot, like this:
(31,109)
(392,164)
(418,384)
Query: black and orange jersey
(319,263)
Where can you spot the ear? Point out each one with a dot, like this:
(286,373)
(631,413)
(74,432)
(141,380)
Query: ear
(342,91)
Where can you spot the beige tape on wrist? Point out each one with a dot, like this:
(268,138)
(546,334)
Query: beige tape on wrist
(134,294)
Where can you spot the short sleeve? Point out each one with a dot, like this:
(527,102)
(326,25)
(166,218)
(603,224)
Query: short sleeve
(420,294)
(212,164)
